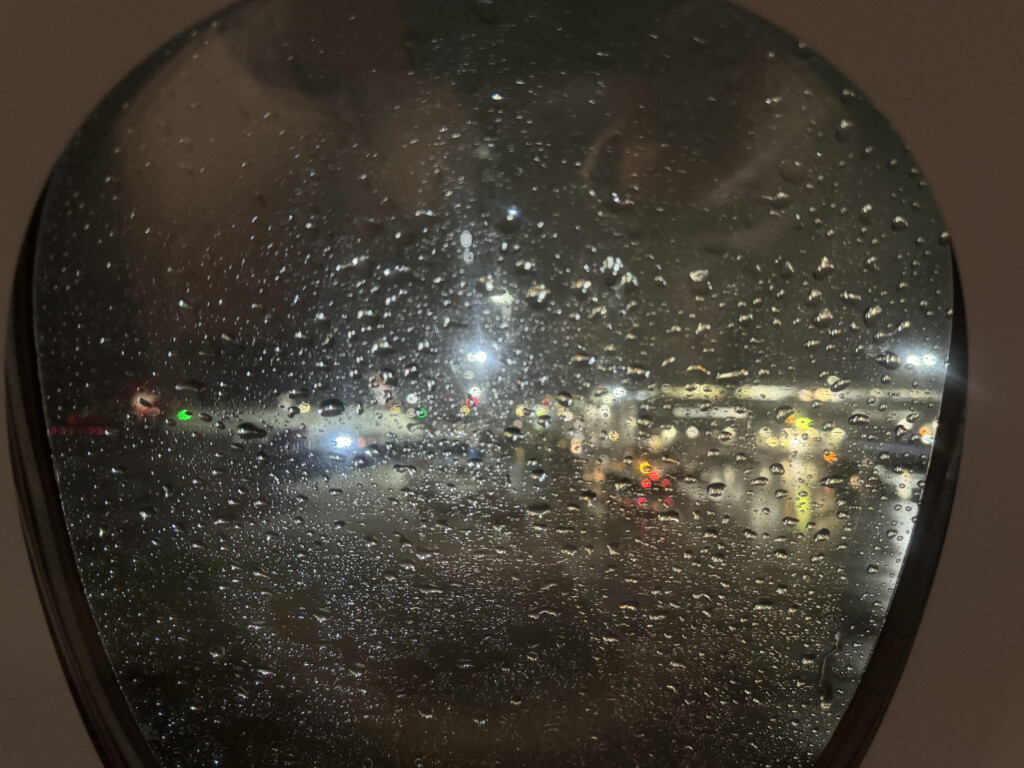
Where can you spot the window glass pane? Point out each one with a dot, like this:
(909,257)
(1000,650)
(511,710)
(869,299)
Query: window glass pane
(474,382)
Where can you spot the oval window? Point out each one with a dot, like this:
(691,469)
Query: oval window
(478,383)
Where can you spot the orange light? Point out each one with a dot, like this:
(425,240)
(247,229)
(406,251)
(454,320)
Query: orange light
(831,457)
(791,418)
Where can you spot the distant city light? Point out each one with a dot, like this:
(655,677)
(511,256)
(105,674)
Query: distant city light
(925,360)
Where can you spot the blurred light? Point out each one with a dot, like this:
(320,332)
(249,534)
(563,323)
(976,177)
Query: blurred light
(929,360)
(477,357)
(913,360)
(342,441)
(619,392)
(184,415)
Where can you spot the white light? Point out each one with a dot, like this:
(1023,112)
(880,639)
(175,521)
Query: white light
(913,360)
(466,239)
(412,398)
(342,441)
(477,357)
(929,360)
(619,392)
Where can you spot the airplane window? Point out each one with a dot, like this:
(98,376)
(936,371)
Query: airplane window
(486,383)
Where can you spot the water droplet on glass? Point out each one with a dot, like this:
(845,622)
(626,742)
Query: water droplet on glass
(331,407)
(249,431)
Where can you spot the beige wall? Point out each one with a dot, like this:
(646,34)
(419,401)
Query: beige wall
(949,74)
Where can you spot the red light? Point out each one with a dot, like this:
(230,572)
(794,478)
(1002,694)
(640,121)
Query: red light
(665,483)
(654,474)
(669,501)
(53,430)
(641,501)
(646,482)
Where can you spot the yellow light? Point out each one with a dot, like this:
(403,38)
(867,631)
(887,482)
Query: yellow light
(304,407)
(645,467)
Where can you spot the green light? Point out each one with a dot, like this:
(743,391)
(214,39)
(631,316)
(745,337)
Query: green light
(421,413)
(184,415)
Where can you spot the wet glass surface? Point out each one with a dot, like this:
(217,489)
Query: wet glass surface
(490,383)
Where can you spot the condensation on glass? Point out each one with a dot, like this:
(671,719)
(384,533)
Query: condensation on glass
(464,383)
